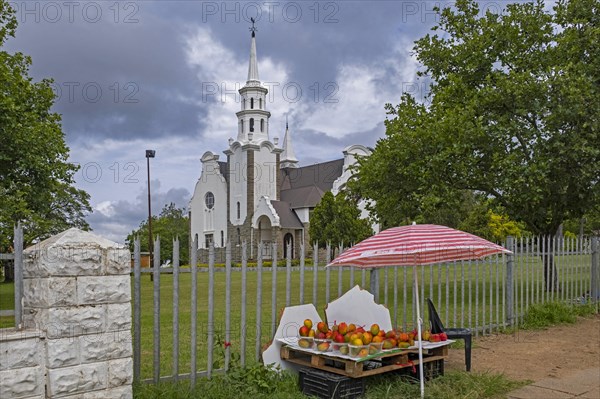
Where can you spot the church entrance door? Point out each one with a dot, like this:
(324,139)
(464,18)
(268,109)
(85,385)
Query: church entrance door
(288,239)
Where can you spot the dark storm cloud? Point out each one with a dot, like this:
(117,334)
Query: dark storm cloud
(121,71)
(114,80)
(115,220)
(125,82)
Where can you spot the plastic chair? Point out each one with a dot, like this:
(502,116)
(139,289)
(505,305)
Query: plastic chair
(453,333)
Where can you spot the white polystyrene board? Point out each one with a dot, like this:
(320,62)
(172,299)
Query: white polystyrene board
(292,319)
(358,306)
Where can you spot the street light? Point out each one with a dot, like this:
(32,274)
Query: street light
(149,154)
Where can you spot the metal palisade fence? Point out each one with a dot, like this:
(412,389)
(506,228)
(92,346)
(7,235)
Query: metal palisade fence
(192,322)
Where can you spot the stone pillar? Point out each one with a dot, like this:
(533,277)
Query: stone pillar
(77,294)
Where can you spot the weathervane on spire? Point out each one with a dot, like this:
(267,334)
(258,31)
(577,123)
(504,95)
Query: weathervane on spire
(253,29)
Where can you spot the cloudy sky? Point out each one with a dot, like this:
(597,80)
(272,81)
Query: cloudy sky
(163,75)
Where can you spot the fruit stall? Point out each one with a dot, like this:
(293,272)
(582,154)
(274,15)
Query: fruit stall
(356,352)
(356,340)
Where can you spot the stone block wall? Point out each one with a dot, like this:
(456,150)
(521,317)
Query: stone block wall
(22,368)
(77,301)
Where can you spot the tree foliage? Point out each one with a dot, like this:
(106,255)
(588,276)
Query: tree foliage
(513,115)
(172,223)
(36,179)
(336,220)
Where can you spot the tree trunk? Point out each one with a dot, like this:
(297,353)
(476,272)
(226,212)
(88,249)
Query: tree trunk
(550,272)
(9,271)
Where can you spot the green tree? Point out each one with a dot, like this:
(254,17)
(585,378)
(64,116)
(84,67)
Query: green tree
(36,179)
(336,220)
(513,115)
(172,223)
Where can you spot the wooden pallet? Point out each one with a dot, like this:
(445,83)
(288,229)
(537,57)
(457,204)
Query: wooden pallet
(357,369)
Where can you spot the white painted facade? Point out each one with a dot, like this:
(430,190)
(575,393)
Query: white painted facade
(209,217)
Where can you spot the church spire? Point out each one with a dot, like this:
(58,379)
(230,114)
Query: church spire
(288,158)
(253,66)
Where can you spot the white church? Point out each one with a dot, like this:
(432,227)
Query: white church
(259,193)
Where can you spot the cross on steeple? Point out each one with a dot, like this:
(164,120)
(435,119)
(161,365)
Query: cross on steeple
(253,28)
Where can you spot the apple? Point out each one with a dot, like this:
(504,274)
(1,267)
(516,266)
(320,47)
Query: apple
(426,335)
(434,338)
(374,329)
(343,328)
(339,338)
(389,343)
(321,326)
(308,323)
(304,331)
(312,333)
(403,345)
(351,327)
(323,346)
(443,336)
(367,338)
(403,337)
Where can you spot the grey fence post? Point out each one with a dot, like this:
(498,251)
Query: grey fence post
(18,246)
(510,260)
(595,284)
(374,273)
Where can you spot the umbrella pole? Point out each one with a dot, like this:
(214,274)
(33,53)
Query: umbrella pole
(419,331)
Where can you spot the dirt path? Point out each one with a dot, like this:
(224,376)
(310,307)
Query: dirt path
(534,355)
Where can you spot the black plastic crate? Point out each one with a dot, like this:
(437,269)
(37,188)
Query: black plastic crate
(326,385)
(431,370)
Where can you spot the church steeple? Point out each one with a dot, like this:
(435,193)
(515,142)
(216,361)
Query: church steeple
(288,158)
(253,118)
(253,66)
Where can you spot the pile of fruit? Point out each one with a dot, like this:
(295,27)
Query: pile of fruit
(356,340)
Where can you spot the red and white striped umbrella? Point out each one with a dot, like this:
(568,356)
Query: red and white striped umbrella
(419,244)
(415,245)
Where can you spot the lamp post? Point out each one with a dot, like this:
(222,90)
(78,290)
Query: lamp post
(149,154)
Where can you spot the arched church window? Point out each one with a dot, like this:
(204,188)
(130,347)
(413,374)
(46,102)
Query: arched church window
(251,103)
(243,104)
(238,210)
(262,125)
(209,200)
(196,239)
(251,124)
(242,126)
(222,239)
(260,103)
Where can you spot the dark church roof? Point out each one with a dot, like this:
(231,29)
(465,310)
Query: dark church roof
(287,218)
(302,197)
(304,187)
(223,170)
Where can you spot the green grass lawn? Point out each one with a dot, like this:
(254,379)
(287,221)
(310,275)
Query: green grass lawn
(7,302)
